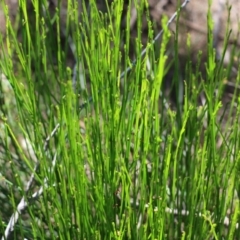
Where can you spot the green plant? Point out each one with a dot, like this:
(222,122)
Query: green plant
(119,162)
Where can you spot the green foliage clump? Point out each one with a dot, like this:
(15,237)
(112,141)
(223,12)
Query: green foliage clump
(98,151)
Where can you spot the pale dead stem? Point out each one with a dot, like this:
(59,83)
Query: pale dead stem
(23,204)
(226,221)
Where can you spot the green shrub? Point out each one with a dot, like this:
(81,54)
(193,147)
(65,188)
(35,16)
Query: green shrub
(98,151)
